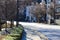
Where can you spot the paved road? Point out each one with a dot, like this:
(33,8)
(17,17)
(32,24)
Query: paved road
(49,31)
(52,34)
(30,34)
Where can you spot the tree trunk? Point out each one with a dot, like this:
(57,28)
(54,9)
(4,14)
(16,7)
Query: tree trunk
(38,19)
(17,23)
(11,23)
(0,27)
(0,24)
(17,13)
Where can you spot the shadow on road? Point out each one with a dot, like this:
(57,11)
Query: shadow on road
(24,36)
(30,33)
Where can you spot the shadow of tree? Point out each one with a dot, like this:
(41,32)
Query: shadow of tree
(28,31)
(24,36)
(32,31)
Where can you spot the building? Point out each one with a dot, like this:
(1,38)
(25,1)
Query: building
(57,8)
(57,11)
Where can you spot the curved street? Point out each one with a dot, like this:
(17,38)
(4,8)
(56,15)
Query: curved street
(52,32)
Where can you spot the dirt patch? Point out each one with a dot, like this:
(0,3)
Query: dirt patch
(2,37)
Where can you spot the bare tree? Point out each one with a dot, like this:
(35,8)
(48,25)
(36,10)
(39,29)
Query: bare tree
(39,10)
(1,12)
(51,11)
(10,10)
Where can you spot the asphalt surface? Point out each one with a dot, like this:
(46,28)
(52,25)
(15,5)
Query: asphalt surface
(30,34)
(50,32)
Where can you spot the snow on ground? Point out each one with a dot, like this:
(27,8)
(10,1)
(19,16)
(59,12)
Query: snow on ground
(40,25)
